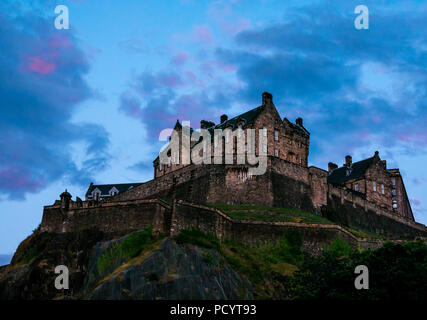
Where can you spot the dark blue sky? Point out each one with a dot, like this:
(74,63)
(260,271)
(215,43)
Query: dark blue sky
(87,104)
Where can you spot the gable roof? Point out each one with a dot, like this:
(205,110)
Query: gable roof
(105,188)
(297,127)
(247,118)
(357,170)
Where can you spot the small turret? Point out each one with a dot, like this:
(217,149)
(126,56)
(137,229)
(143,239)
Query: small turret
(65,200)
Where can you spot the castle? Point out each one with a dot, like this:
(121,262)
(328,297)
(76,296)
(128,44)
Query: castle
(364,194)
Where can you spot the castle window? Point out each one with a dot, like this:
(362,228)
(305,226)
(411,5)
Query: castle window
(299,144)
(264,148)
(394,204)
(160,167)
(374,186)
(382,189)
(394,192)
(276,135)
(264,131)
(276,152)
(393,181)
(356,187)
(300,160)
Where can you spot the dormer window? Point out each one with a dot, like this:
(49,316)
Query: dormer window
(113,191)
(348,172)
(96,194)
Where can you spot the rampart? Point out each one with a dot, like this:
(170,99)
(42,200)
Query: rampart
(115,218)
(315,236)
(285,184)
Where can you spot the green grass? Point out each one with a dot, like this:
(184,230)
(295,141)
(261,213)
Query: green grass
(121,252)
(364,234)
(265,213)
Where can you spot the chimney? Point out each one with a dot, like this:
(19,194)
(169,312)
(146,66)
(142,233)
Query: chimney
(223,118)
(348,161)
(298,121)
(204,124)
(267,98)
(377,154)
(331,166)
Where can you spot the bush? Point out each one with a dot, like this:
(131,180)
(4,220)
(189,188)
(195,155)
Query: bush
(339,248)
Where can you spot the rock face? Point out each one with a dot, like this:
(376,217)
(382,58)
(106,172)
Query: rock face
(175,271)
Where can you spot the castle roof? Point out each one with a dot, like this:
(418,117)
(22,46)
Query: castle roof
(344,173)
(297,127)
(247,118)
(105,188)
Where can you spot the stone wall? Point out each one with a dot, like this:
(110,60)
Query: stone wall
(315,236)
(285,184)
(348,208)
(114,218)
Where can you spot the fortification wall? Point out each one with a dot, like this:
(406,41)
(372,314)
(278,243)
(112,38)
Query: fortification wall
(348,208)
(114,218)
(315,236)
(284,184)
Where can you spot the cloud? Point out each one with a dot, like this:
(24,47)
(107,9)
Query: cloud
(41,84)
(356,89)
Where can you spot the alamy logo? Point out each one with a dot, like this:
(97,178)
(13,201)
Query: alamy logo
(62,21)
(62,281)
(362,280)
(362,20)
(228,146)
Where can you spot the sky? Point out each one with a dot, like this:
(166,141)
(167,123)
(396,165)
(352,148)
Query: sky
(86,104)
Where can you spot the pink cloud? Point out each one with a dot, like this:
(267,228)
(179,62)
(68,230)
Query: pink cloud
(233,28)
(14,179)
(181,58)
(210,67)
(203,34)
(59,41)
(410,137)
(415,202)
(40,66)
(171,80)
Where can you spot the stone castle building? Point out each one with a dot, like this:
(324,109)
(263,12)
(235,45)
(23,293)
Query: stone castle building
(364,194)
